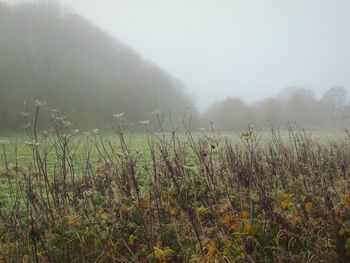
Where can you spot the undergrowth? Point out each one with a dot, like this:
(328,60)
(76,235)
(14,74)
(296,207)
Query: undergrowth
(181,199)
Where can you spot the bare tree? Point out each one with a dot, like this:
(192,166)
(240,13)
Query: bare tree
(334,100)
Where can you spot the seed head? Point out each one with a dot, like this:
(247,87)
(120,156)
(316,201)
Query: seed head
(38,103)
(4,141)
(119,116)
(95,131)
(156,113)
(144,122)
(33,145)
(26,126)
(45,133)
(24,114)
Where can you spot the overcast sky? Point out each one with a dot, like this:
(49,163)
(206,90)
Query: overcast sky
(246,48)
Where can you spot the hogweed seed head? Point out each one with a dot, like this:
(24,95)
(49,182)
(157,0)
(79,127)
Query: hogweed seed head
(24,114)
(33,145)
(45,133)
(95,131)
(67,124)
(119,116)
(38,103)
(156,113)
(59,119)
(26,126)
(4,141)
(144,122)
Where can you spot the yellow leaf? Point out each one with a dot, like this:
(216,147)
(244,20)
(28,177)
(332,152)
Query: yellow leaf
(211,249)
(308,207)
(25,259)
(71,220)
(124,209)
(201,210)
(210,230)
(101,213)
(228,245)
(286,201)
(173,211)
(132,239)
(247,227)
(345,199)
(244,214)
(163,254)
(144,248)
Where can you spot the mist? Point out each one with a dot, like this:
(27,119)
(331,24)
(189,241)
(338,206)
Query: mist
(250,49)
(201,52)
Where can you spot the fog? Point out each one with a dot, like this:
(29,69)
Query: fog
(245,48)
(197,54)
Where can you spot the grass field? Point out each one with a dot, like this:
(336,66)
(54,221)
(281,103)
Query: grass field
(138,141)
(187,197)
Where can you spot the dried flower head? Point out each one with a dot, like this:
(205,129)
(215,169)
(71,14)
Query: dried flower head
(95,131)
(144,122)
(45,133)
(38,103)
(24,114)
(33,145)
(59,118)
(4,141)
(246,134)
(88,193)
(75,131)
(26,126)
(119,116)
(157,113)
(66,124)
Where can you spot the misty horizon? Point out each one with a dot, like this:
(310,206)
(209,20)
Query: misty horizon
(245,49)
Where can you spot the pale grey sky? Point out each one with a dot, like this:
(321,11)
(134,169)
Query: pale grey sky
(246,48)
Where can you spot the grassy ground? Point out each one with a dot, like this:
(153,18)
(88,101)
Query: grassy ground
(138,142)
(192,197)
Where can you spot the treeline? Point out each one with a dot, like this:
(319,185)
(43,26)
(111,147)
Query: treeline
(293,105)
(50,54)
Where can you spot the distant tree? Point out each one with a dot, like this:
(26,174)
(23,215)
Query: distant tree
(230,114)
(301,106)
(334,100)
(269,112)
(345,115)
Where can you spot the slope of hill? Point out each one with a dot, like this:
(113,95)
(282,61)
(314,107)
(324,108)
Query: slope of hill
(49,54)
